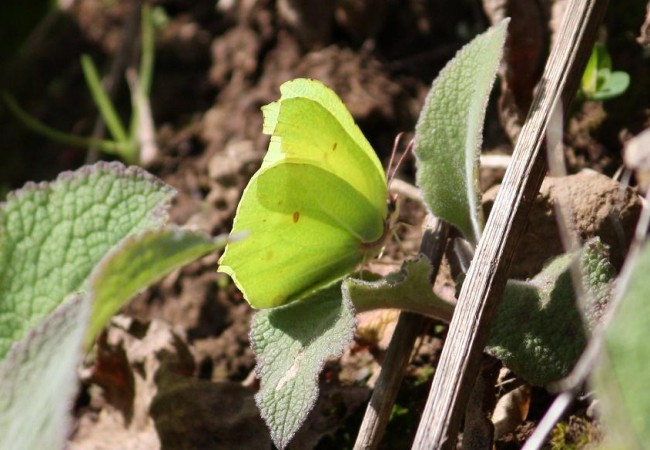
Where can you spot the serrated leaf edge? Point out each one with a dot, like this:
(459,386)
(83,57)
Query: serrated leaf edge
(282,441)
(159,213)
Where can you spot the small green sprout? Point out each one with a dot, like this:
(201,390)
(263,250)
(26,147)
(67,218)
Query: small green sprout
(599,82)
(124,143)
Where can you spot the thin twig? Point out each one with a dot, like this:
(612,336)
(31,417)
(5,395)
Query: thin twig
(552,416)
(409,327)
(406,190)
(487,276)
(564,215)
(492,161)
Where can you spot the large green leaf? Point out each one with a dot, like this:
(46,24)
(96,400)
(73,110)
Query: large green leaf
(291,343)
(38,380)
(53,234)
(139,261)
(621,377)
(540,329)
(449,130)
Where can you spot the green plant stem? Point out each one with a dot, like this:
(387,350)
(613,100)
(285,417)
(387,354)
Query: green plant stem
(430,306)
(115,148)
(102,101)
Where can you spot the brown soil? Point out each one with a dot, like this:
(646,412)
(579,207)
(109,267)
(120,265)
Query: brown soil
(217,63)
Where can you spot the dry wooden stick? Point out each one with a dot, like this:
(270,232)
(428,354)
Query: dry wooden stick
(487,275)
(409,327)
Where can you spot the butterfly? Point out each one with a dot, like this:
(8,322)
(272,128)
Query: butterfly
(317,207)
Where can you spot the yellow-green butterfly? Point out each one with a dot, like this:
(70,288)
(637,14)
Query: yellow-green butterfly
(317,206)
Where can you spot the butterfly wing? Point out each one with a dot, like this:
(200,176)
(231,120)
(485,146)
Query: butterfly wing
(317,201)
(303,224)
(310,123)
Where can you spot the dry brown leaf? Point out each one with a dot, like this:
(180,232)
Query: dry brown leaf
(511,410)
(130,358)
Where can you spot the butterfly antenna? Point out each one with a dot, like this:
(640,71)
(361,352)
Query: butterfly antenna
(396,142)
(409,149)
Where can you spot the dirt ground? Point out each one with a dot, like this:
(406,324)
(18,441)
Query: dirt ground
(217,63)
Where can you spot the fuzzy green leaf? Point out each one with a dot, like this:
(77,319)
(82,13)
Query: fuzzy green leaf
(597,70)
(615,85)
(38,380)
(621,376)
(448,134)
(537,332)
(138,262)
(539,327)
(291,343)
(598,81)
(408,289)
(53,234)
